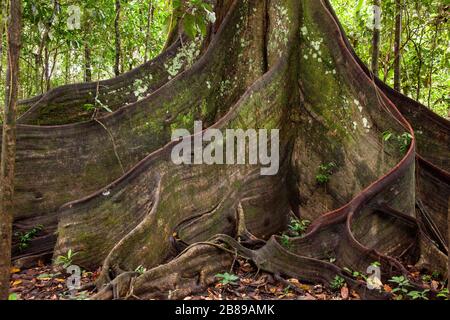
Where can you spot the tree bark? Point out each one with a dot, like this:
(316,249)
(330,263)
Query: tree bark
(87,63)
(376,39)
(2,28)
(283,66)
(150,13)
(117,63)
(8,154)
(397,45)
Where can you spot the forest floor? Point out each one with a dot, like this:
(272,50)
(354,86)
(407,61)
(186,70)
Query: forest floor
(47,282)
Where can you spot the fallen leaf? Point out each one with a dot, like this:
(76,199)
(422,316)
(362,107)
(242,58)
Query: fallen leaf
(387,288)
(16,283)
(434,285)
(355,295)
(15,270)
(344,293)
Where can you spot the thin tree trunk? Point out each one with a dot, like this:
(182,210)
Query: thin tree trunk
(397,51)
(150,13)
(117,34)
(9,147)
(430,76)
(376,38)
(87,63)
(2,24)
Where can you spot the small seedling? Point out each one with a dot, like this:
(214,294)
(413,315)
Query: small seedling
(443,293)
(419,295)
(402,285)
(298,227)
(88,107)
(426,278)
(140,270)
(337,283)
(405,141)
(325,172)
(356,274)
(227,278)
(285,241)
(25,238)
(66,260)
(13,296)
(387,135)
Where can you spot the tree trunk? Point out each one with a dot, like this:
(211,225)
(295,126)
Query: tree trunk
(397,45)
(87,64)
(117,62)
(2,28)
(285,66)
(8,154)
(376,38)
(150,13)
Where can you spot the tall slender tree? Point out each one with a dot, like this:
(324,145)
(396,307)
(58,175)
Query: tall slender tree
(397,44)
(150,13)
(2,24)
(9,145)
(376,36)
(118,41)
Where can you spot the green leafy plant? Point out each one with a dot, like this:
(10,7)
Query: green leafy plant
(65,261)
(405,141)
(88,107)
(436,275)
(140,270)
(402,285)
(285,241)
(227,278)
(26,237)
(356,274)
(419,295)
(376,264)
(443,293)
(426,278)
(13,296)
(337,283)
(387,135)
(298,227)
(195,15)
(325,172)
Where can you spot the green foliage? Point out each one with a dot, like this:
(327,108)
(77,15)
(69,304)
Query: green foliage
(66,48)
(356,274)
(140,270)
(443,293)
(424,45)
(285,241)
(26,237)
(227,278)
(65,261)
(405,141)
(337,283)
(418,295)
(387,135)
(195,14)
(13,296)
(402,284)
(324,173)
(298,227)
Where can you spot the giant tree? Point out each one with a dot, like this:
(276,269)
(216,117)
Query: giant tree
(108,189)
